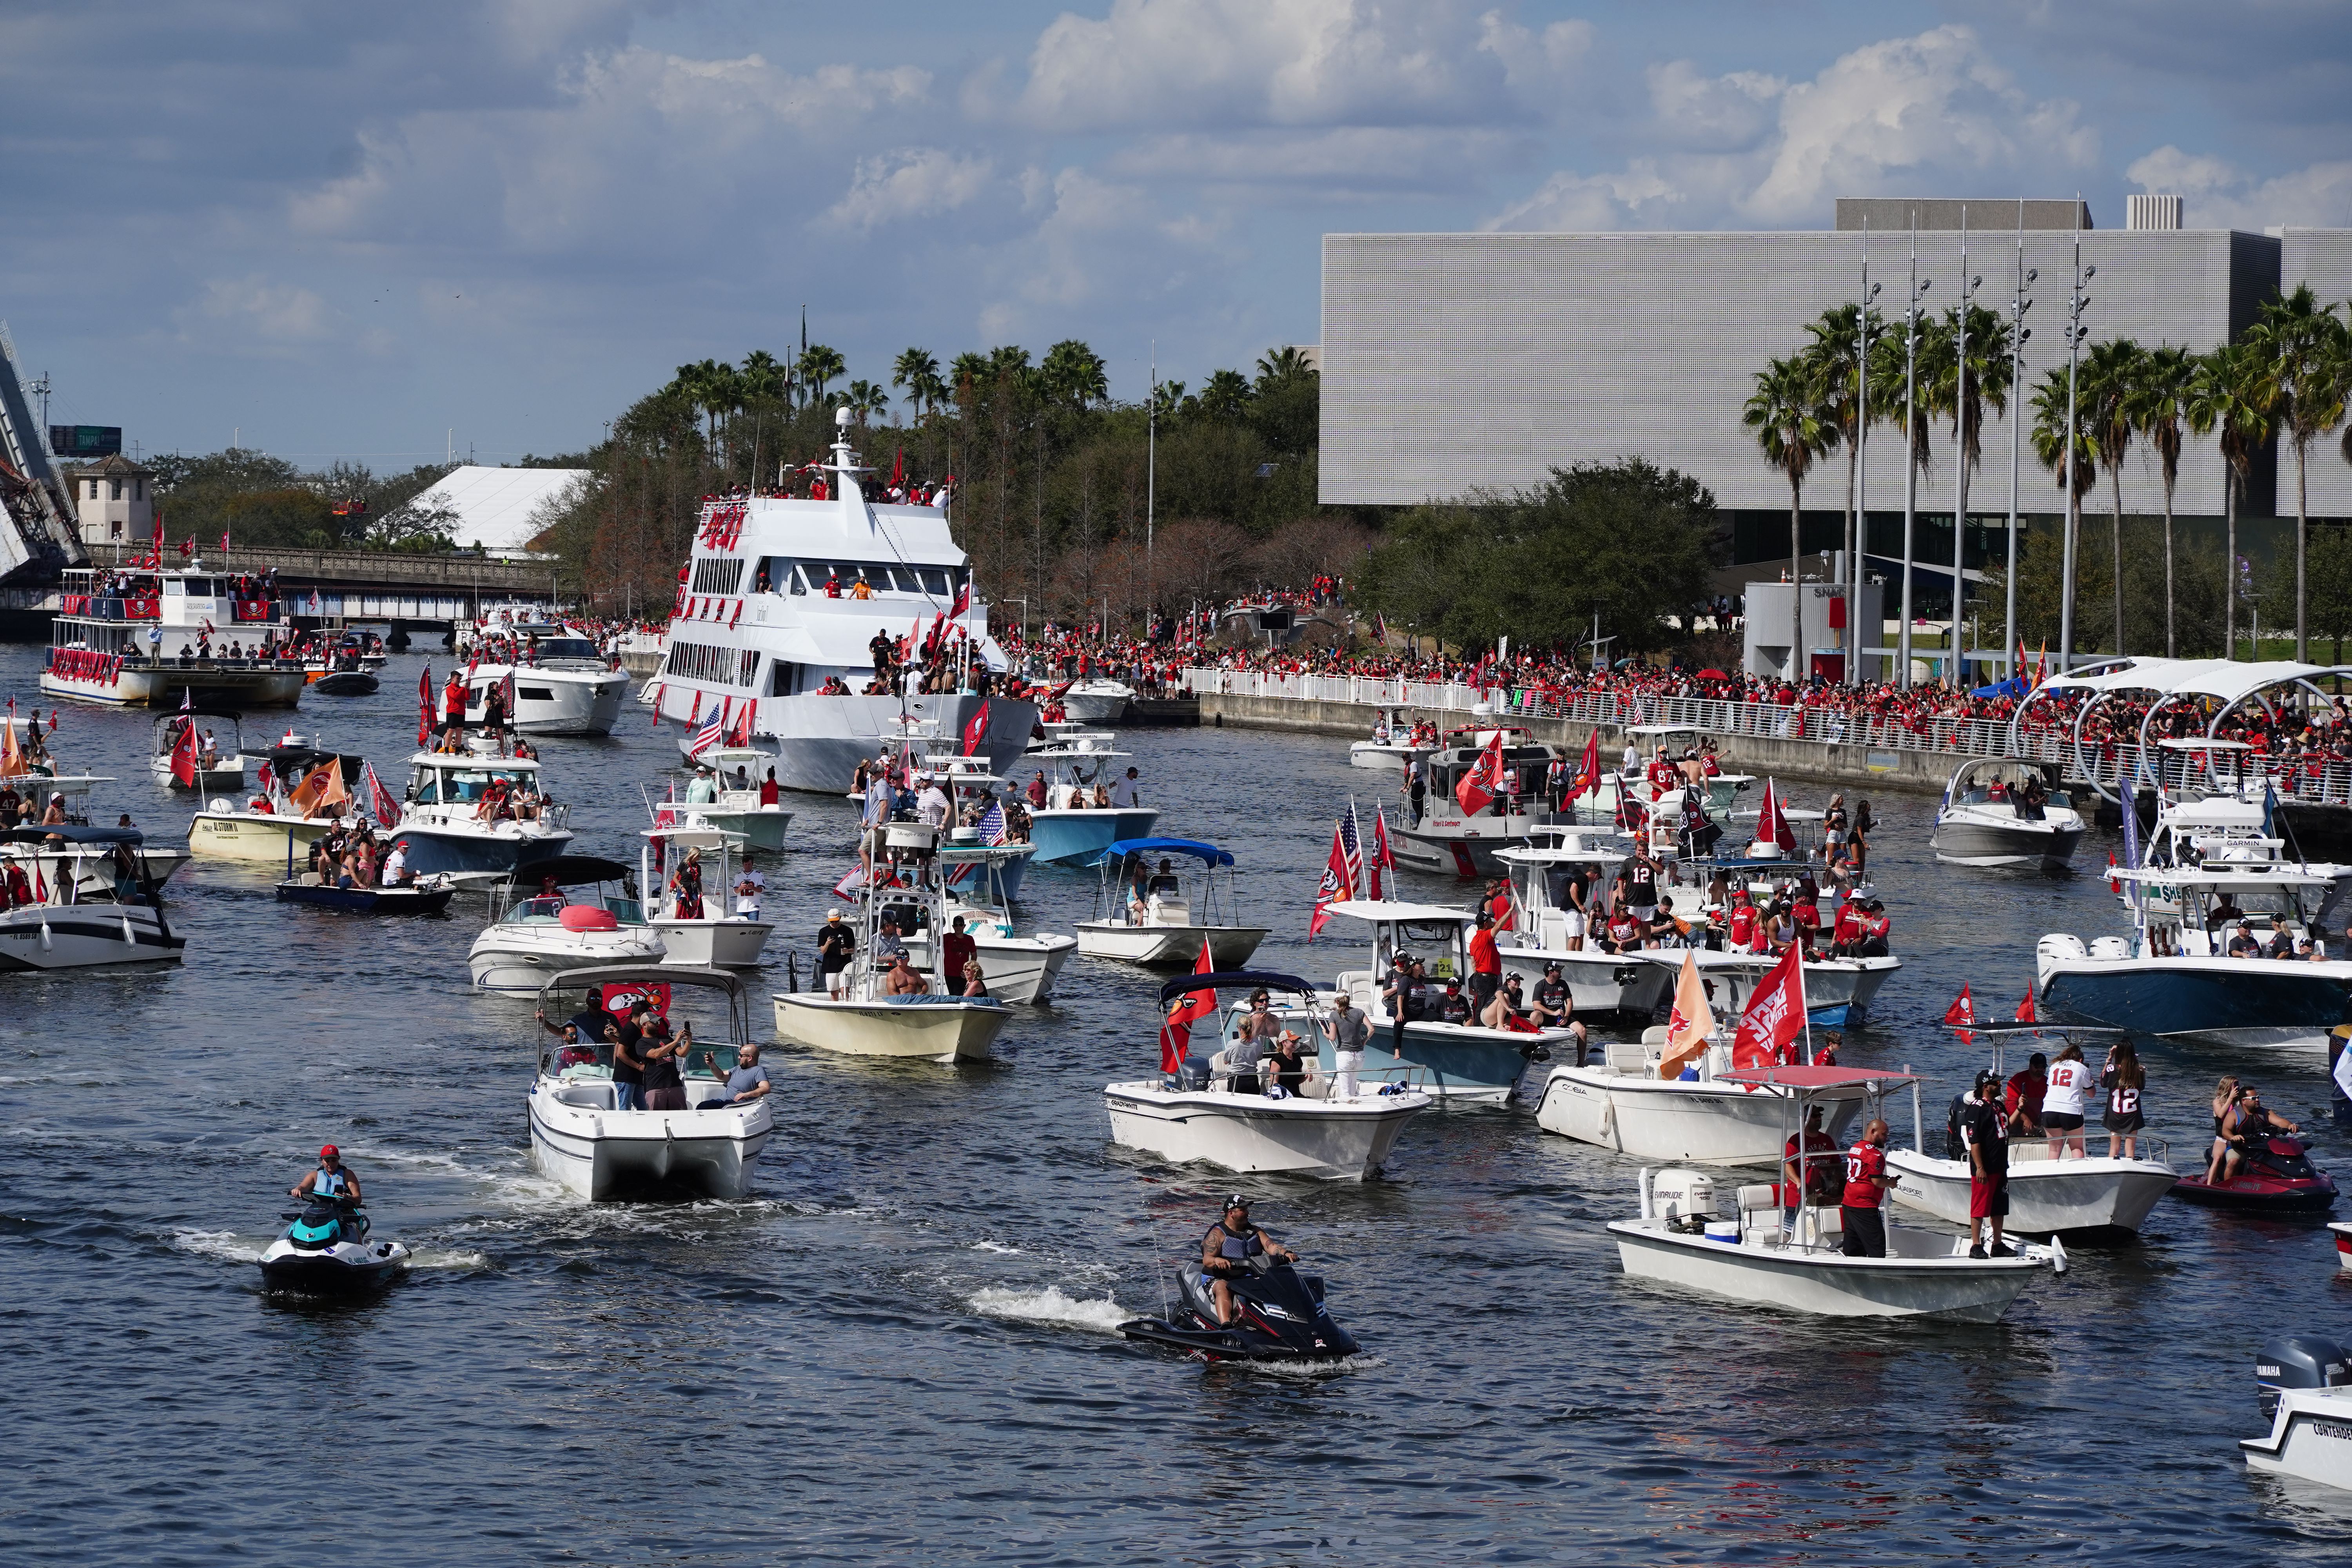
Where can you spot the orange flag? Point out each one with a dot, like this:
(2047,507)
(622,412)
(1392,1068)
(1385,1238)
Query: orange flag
(1691,1023)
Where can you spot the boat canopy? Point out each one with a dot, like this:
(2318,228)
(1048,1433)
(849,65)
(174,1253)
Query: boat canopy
(1817,1078)
(73,835)
(1185,983)
(1193,847)
(729,986)
(231,714)
(572,870)
(1395,910)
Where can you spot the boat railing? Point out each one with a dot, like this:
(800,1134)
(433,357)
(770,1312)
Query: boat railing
(2033,1148)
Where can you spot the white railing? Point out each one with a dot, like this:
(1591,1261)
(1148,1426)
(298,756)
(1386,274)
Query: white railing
(2329,784)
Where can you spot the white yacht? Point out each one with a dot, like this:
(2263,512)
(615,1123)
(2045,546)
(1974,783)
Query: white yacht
(84,918)
(716,937)
(1098,700)
(118,637)
(771,616)
(1150,917)
(563,684)
(1391,748)
(452,825)
(535,932)
(2006,811)
(581,1137)
(1622,1103)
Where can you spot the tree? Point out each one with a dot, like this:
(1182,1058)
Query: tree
(866,399)
(1838,358)
(2230,397)
(763,378)
(2159,404)
(2300,342)
(1073,375)
(2331,585)
(2054,442)
(1792,428)
(1962,389)
(918,373)
(1225,397)
(2109,377)
(1286,403)
(818,366)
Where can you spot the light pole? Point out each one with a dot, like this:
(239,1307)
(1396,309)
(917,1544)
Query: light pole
(1151,463)
(1957,668)
(2073,362)
(1859,545)
(2018,333)
(1910,451)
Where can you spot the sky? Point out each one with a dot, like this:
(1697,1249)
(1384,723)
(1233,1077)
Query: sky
(389,232)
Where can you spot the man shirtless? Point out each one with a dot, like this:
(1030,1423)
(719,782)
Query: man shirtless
(902,980)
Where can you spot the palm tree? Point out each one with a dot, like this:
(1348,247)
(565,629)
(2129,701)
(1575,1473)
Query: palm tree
(1963,392)
(969,371)
(1786,411)
(764,376)
(819,365)
(2110,375)
(2159,402)
(1225,396)
(1281,364)
(1073,374)
(2051,444)
(918,373)
(1837,358)
(2301,340)
(2232,397)
(864,398)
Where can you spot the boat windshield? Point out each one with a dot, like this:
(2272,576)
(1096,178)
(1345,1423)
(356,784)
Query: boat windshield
(547,908)
(464,786)
(565,647)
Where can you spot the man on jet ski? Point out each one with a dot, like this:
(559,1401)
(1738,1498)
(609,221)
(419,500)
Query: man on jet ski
(1227,1251)
(332,1180)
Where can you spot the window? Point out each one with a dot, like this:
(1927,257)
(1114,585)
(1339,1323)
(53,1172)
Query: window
(718,575)
(93,491)
(717,665)
(783,680)
(114,489)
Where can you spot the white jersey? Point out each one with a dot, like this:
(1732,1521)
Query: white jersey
(2068,1081)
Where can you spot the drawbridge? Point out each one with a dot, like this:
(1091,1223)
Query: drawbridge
(38,536)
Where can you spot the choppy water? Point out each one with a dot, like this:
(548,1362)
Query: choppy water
(900,1351)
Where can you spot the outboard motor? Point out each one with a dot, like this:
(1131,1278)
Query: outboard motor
(2299,1361)
(1192,1075)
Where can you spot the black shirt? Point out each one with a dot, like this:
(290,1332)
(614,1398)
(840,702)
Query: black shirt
(834,944)
(1641,884)
(1552,996)
(1985,1126)
(1454,1008)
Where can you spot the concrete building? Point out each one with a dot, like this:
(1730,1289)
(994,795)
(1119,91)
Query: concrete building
(113,502)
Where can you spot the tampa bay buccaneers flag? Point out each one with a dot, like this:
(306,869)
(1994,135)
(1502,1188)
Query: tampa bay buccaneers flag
(1588,771)
(1775,1017)
(184,756)
(2025,1013)
(423,705)
(1335,888)
(1962,1014)
(1691,1022)
(1176,1034)
(976,730)
(1484,781)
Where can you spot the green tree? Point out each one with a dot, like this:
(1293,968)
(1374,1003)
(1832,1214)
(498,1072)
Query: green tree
(2108,383)
(1961,391)
(1225,397)
(2230,398)
(2159,409)
(2331,585)
(918,373)
(1792,428)
(1286,403)
(1838,357)
(1073,376)
(2302,344)
(818,367)
(2065,450)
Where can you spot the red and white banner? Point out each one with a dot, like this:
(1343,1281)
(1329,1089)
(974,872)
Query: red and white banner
(1774,1018)
(1962,1014)
(1484,780)
(1588,771)
(976,730)
(1382,859)
(1335,888)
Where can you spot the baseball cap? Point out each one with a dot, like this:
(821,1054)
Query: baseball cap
(329,1151)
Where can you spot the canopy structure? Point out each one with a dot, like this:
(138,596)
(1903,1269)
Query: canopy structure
(1396,910)
(1209,853)
(1224,978)
(2227,683)
(71,834)
(1817,1077)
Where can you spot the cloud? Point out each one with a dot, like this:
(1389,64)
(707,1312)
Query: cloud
(1342,161)
(1640,197)
(1725,113)
(2215,194)
(260,313)
(910,182)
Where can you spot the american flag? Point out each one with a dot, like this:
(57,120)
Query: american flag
(709,735)
(1351,850)
(848,887)
(992,825)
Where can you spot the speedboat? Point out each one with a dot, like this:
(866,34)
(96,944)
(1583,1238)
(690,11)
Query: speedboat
(1723,790)
(222,772)
(734,806)
(535,933)
(83,857)
(83,919)
(1390,749)
(563,685)
(580,1137)
(1448,839)
(1052,735)
(1838,990)
(423,898)
(446,826)
(2276,1177)
(1279,1316)
(1069,830)
(1192,1115)
(2006,811)
(1017,968)
(1687,1237)
(2343,1235)
(1453,1061)
(1099,700)
(1597,981)
(1142,917)
(1624,1103)
(325,1249)
(716,937)
(2305,1385)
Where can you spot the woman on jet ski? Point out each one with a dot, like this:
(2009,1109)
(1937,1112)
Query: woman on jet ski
(332,1179)
(2247,1121)
(1228,1247)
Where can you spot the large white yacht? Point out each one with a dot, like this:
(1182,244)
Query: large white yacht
(563,685)
(781,601)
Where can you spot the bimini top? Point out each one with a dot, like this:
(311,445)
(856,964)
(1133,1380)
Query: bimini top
(1818,1077)
(2230,680)
(1193,847)
(1223,978)
(73,835)
(1396,910)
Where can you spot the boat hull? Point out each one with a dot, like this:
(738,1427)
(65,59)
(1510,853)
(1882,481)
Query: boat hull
(2227,1001)
(1169,946)
(506,961)
(1022,968)
(449,851)
(761,827)
(1091,709)
(933,1028)
(1682,1123)
(1466,850)
(713,944)
(1452,1062)
(368,900)
(598,1153)
(1596,982)
(253,835)
(2310,1439)
(1079,837)
(556,701)
(1971,841)
(138,686)
(1384,758)
(2045,1196)
(1838,990)
(1340,1140)
(85,936)
(1827,1284)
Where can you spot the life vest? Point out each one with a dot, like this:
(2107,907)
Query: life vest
(326,1184)
(1234,1248)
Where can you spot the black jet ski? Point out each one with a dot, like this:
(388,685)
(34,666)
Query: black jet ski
(326,1249)
(1279,1316)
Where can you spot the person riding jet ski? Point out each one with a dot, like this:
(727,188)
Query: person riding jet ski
(1242,1300)
(325,1246)
(1227,1251)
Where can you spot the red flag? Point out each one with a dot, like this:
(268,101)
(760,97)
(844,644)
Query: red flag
(1335,885)
(184,756)
(1382,859)
(1588,771)
(1775,1015)
(424,704)
(898,470)
(1484,780)
(1176,1034)
(695,717)
(380,799)
(743,725)
(40,884)
(737,617)
(2025,1011)
(187,547)
(976,730)
(1772,822)
(1962,1014)
(963,600)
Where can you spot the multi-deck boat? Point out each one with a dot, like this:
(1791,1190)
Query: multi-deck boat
(563,684)
(768,619)
(118,637)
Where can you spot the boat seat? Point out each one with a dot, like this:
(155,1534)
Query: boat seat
(1621,1056)
(1655,1035)
(588,1096)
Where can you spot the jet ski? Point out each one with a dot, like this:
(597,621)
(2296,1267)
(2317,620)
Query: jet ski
(326,1249)
(2277,1177)
(1279,1316)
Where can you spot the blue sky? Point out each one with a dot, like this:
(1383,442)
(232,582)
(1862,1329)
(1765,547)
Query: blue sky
(350,230)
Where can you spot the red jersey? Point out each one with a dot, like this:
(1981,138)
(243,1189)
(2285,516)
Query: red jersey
(1484,959)
(1820,1176)
(1743,924)
(1849,923)
(2025,1088)
(1806,916)
(1863,1162)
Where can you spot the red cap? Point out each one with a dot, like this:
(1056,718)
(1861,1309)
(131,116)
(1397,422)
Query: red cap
(330,1152)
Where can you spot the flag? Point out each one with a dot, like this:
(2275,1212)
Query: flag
(991,826)
(1962,1014)
(184,756)
(187,548)
(266,778)
(694,715)
(898,470)
(11,755)
(40,884)
(1380,629)
(1176,1034)
(224,541)
(963,600)
(1690,1022)
(1483,781)
(2131,832)
(1352,846)
(850,883)
(1772,822)
(380,799)
(1588,769)
(2042,668)
(709,735)
(743,725)
(2025,1010)
(1335,886)
(507,695)
(424,704)
(975,730)
(1774,1014)
(1382,859)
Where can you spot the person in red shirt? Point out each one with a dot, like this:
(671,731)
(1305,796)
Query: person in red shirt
(1486,964)
(1743,922)
(1817,1183)
(1866,1182)
(1847,937)
(769,792)
(1806,921)
(2021,1098)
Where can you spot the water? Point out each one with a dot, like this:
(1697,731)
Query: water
(902,1349)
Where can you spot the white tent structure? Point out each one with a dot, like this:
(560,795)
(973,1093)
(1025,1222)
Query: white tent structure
(500,510)
(2227,684)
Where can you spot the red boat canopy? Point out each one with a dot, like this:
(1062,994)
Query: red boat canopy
(1816,1077)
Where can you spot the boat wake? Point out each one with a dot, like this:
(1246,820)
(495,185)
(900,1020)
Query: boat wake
(1052,1308)
(225,1246)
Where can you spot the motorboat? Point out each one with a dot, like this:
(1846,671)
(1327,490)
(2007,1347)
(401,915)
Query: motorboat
(419,898)
(1098,700)
(2222,832)
(734,805)
(326,1249)
(305,792)
(471,815)
(143,638)
(211,769)
(581,1139)
(2007,812)
(1687,1236)
(1838,990)
(1069,829)
(1391,748)
(2342,1233)
(1020,969)
(1541,875)
(538,929)
(1677,740)
(2046,1195)
(865,1019)
(1453,1061)
(1625,1104)
(1052,735)
(84,919)
(702,927)
(2173,976)
(1147,917)
(2304,1383)
(771,618)
(2276,1177)
(1447,837)
(1280,1316)
(558,683)
(1190,1113)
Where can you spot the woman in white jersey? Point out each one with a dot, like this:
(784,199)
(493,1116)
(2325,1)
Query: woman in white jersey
(2062,1100)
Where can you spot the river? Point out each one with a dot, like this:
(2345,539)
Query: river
(901,1349)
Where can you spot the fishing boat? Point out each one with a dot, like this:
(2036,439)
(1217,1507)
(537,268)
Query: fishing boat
(86,918)
(1019,969)
(2007,812)
(305,792)
(539,928)
(1485,795)
(1391,748)
(1069,829)
(1191,1114)
(580,1136)
(2221,831)
(770,620)
(1541,875)
(699,928)
(549,680)
(471,813)
(1625,1104)
(1147,917)
(210,768)
(117,638)
(2306,1390)
(1685,1236)
(734,807)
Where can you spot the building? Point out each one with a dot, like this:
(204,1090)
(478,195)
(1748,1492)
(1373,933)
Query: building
(1455,361)
(499,511)
(112,503)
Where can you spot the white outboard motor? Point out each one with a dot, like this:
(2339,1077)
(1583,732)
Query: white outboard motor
(2299,1361)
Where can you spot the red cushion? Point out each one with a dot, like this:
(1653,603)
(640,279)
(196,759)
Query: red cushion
(588,917)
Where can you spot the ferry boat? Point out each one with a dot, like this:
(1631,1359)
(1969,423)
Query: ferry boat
(118,635)
(756,630)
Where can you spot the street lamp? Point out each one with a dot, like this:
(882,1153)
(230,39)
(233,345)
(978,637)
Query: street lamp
(1957,668)
(2019,332)
(2075,335)
(1910,450)
(1859,545)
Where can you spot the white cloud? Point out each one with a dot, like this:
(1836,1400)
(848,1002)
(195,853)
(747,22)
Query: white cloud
(1640,197)
(2215,194)
(910,182)
(1726,114)
(278,315)
(1339,161)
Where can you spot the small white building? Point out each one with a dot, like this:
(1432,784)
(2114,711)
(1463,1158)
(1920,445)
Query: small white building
(1831,631)
(500,510)
(114,503)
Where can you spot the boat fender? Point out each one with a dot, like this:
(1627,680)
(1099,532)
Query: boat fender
(2057,1256)
(128,940)
(1608,1126)
(1649,1175)
(46,942)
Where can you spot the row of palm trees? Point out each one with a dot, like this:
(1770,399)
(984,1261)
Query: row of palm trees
(1071,374)
(2288,376)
